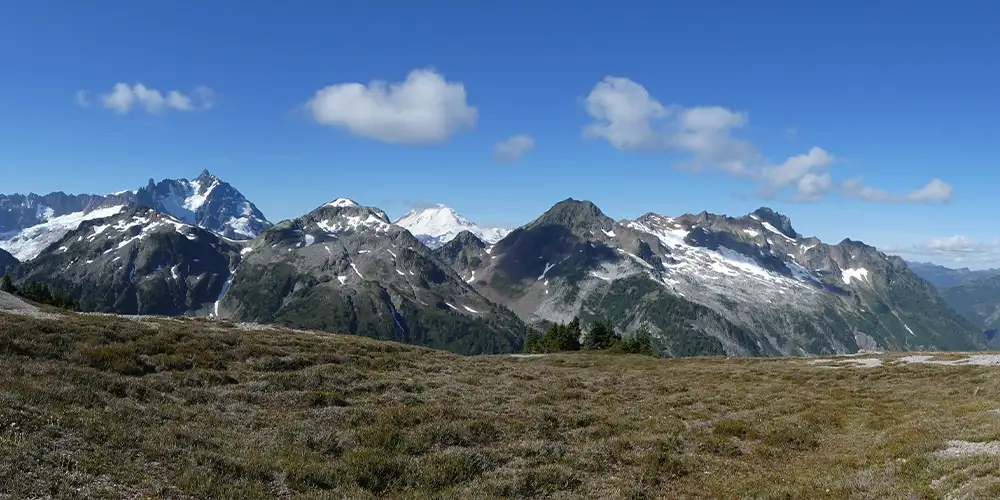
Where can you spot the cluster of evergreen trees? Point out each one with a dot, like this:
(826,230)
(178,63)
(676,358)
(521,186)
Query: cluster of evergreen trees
(40,293)
(601,337)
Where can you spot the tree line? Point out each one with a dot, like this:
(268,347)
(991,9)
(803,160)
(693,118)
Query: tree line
(40,293)
(600,337)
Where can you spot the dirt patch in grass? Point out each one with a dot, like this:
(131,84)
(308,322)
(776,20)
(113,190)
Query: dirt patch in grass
(109,407)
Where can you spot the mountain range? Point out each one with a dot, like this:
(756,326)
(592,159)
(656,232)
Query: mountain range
(699,283)
(944,277)
(31,223)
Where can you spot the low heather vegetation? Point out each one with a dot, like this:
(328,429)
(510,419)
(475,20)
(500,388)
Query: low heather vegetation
(110,407)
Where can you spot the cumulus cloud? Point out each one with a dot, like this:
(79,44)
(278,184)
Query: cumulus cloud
(124,97)
(629,118)
(423,109)
(512,149)
(957,250)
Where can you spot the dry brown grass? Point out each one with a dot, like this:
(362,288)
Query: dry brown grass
(107,407)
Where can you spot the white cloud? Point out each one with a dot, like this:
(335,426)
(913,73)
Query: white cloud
(82,98)
(124,97)
(512,149)
(206,96)
(792,170)
(812,187)
(957,251)
(179,101)
(423,109)
(936,191)
(629,118)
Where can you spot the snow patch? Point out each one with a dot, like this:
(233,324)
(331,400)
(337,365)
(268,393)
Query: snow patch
(769,227)
(752,232)
(859,274)
(548,267)
(27,243)
(341,203)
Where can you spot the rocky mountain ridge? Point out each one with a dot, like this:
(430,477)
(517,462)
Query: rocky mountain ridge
(346,268)
(701,283)
(764,287)
(30,223)
(138,261)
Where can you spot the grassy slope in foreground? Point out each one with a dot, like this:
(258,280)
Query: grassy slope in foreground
(171,408)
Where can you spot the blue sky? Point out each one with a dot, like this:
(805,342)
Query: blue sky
(669,107)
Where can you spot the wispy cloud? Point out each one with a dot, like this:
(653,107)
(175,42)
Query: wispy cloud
(936,191)
(957,250)
(82,98)
(629,118)
(123,98)
(513,148)
(423,109)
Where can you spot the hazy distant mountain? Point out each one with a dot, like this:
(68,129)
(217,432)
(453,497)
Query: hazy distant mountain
(944,277)
(437,225)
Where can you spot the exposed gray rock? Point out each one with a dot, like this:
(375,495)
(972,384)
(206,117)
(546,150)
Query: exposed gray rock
(29,223)
(345,268)
(747,285)
(139,261)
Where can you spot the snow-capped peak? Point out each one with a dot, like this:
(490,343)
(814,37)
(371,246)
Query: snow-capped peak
(342,202)
(29,224)
(439,224)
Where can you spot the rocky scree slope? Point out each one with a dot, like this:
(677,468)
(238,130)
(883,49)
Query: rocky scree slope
(138,261)
(30,223)
(345,268)
(710,283)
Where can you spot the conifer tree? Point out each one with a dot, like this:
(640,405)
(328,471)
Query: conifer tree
(7,285)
